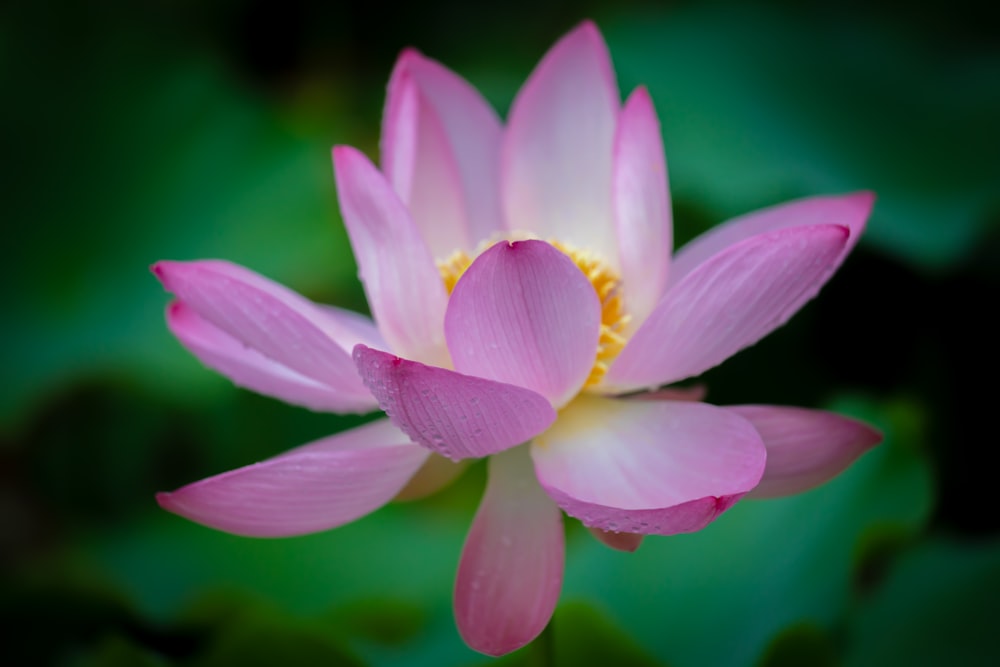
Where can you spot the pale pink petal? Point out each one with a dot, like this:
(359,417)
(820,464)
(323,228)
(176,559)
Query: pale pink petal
(511,570)
(647,467)
(556,160)
(642,206)
(404,287)
(457,416)
(805,448)
(436,473)
(525,314)
(250,369)
(729,302)
(619,541)
(850,211)
(473,132)
(350,328)
(418,161)
(311,488)
(271,319)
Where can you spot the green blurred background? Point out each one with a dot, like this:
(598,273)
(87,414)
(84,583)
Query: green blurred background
(137,131)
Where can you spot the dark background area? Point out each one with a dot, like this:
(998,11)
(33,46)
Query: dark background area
(133,132)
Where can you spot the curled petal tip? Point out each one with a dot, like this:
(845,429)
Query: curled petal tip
(341,151)
(160,269)
(408,55)
(589,28)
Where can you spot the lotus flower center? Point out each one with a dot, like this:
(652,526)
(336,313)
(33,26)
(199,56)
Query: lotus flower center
(607,286)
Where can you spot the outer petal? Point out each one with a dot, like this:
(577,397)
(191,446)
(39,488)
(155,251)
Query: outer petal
(403,285)
(472,130)
(512,563)
(315,487)
(728,303)
(418,161)
(455,415)
(269,318)
(805,448)
(643,220)
(524,313)
(851,211)
(556,178)
(249,368)
(647,467)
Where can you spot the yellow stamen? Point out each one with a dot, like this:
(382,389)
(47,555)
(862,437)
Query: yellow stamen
(606,284)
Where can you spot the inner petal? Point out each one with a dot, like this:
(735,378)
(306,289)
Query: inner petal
(603,278)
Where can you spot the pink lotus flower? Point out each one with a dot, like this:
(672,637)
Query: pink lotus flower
(524,301)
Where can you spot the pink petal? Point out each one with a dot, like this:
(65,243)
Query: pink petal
(418,161)
(250,369)
(472,129)
(729,302)
(455,415)
(647,467)
(805,448)
(556,169)
(511,570)
(619,541)
(642,206)
(850,211)
(524,313)
(404,288)
(311,488)
(271,319)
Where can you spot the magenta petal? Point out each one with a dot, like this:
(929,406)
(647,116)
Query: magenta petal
(642,206)
(311,488)
(471,133)
(524,313)
(404,287)
(850,211)
(511,570)
(647,467)
(556,160)
(805,448)
(457,416)
(271,319)
(418,161)
(728,303)
(250,369)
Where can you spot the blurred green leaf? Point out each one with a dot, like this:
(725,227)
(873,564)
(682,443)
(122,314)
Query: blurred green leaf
(939,606)
(387,621)
(164,156)
(761,104)
(578,634)
(404,554)
(582,635)
(117,651)
(262,636)
(800,644)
